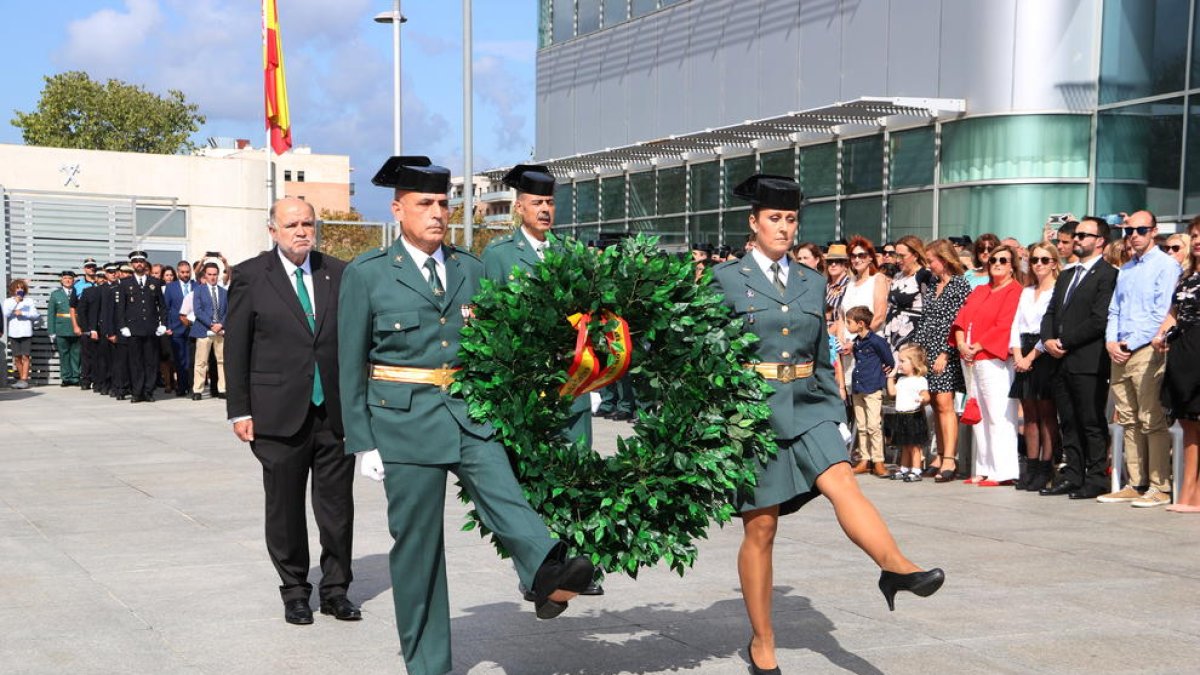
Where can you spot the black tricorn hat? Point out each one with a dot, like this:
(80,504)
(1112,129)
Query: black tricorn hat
(413,172)
(704,247)
(533,179)
(770,192)
(138,255)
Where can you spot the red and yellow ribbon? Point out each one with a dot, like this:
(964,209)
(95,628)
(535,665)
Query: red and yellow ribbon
(585,373)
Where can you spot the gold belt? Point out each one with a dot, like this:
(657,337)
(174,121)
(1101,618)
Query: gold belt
(784,372)
(62,315)
(439,377)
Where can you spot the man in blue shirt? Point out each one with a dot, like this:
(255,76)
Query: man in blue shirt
(1138,307)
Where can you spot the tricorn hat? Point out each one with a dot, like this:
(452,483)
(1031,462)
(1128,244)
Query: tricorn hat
(533,179)
(770,192)
(413,172)
(67,273)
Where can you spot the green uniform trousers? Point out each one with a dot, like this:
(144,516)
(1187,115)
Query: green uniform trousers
(416,494)
(68,358)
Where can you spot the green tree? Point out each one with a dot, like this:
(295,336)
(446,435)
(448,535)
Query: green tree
(75,111)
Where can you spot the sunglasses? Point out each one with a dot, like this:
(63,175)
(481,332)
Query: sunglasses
(1080,236)
(1141,231)
(837,261)
(986,248)
(860,256)
(1173,248)
(1001,261)
(1042,260)
(889,252)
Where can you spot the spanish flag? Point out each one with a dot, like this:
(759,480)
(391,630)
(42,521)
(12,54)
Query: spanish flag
(278,121)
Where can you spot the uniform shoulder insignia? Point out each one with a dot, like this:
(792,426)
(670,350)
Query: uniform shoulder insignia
(462,252)
(377,252)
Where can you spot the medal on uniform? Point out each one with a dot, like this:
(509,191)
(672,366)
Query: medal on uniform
(468,312)
(749,293)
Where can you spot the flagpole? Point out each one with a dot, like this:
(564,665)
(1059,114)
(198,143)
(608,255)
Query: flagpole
(468,181)
(267,143)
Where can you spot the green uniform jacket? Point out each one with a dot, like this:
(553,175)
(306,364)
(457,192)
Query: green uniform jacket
(387,314)
(791,329)
(505,253)
(60,303)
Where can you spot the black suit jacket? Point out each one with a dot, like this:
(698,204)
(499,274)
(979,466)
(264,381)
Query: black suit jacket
(270,351)
(1080,324)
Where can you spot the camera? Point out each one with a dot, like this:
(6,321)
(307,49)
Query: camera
(212,254)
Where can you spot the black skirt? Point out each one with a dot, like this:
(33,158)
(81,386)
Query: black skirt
(910,428)
(1181,380)
(1035,384)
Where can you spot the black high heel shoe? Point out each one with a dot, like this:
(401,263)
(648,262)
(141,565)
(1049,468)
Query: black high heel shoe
(754,669)
(923,584)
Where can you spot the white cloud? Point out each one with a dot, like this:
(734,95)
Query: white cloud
(109,40)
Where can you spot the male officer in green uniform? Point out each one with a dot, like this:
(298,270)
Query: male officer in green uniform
(400,312)
(60,324)
(525,248)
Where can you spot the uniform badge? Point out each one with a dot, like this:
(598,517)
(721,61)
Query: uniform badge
(399,258)
(749,293)
(153,287)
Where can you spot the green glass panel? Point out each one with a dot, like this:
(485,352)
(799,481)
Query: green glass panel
(672,190)
(818,223)
(589,16)
(735,226)
(564,20)
(170,223)
(818,170)
(615,11)
(641,7)
(612,198)
(1011,210)
(587,203)
(863,217)
(737,169)
(669,230)
(1143,48)
(641,194)
(564,204)
(706,227)
(545,27)
(1139,148)
(910,213)
(1191,195)
(912,159)
(705,186)
(778,163)
(1016,146)
(862,165)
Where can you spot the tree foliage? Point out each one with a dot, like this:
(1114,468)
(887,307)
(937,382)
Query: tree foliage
(346,239)
(75,111)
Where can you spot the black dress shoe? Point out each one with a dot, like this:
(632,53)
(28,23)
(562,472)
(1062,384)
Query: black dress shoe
(593,588)
(1086,493)
(137,399)
(1058,490)
(196,397)
(923,584)
(754,669)
(220,395)
(341,608)
(120,397)
(297,612)
(557,573)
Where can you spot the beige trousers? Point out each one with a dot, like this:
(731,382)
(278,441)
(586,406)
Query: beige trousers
(868,417)
(1136,386)
(215,344)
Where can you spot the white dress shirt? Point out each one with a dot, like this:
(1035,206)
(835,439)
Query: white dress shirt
(764,263)
(539,247)
(290,268)
(419,257)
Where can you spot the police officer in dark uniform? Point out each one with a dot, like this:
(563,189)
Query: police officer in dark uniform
(87,310)
(118,367)
(142,318)
(86,346)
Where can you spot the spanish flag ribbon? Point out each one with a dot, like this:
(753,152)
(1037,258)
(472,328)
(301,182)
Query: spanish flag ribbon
(279,122)
(585,373)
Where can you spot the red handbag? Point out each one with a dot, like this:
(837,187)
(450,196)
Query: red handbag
(971,413)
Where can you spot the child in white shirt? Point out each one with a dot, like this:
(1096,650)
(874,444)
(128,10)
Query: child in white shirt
(910,431)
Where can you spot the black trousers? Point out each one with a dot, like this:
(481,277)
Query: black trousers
(87,354)
(143,364)
(286,463)
(119,368)
(1080,400)
(101,365)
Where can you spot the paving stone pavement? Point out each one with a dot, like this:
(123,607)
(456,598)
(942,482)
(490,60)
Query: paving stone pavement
(131,541)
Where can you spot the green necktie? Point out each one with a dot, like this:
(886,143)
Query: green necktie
(435,282)
(777,277)
(318,392)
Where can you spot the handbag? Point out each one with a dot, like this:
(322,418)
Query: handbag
(971,414)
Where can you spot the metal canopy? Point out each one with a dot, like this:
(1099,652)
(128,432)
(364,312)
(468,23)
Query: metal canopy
(831,120)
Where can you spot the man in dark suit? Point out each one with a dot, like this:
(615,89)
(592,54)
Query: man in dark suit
(281,361)
(118,363)
(209,306)
(141,319)
(87,310)
(173,295)
(1073,332)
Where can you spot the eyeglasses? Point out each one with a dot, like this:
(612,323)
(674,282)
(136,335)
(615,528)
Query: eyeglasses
(889,252)
(986,248)
(1141,231)
(1080,236)
(1043,260)
(860,256)
(1173,248)
(1001,261)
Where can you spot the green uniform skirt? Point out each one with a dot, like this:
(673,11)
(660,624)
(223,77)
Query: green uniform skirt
(790,478)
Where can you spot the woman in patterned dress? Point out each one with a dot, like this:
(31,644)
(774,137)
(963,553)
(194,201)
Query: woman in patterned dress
(905,294)
(943,298)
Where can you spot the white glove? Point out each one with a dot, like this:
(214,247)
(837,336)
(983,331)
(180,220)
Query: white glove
(126,333)
(372,465)
(160,331)
(209,333)
(53,338)
(844,431)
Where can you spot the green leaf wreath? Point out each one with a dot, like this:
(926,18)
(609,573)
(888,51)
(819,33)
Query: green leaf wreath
(697,440)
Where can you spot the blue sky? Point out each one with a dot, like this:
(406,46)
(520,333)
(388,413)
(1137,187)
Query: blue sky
(339,70)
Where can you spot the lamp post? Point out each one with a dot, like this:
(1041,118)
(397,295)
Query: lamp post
(395,18)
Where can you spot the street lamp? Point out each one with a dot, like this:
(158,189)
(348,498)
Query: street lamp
(395,18)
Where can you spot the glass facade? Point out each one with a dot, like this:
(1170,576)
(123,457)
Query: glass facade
(561,20)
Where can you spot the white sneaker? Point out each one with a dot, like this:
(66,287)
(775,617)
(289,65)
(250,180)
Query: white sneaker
(1125,494)
(1153,497)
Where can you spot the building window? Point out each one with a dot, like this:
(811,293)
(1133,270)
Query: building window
(863,217)
(588,17)
(564,20)
(1138,160)
(818,170)
(705,184)
(780,163)
(1143,48)
(587,205)
(910,213)
(612,199)
(299,176)
(862,165)
(1013,210)
(737,169)
(672,190)
(641,194)
(912,159)
(287,175)
(818,223)
(615,11)
(641,7)
(146,217)
(1016,146)
(706,227)
(564,204)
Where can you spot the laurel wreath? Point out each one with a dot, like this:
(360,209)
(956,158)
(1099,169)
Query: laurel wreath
(698,439)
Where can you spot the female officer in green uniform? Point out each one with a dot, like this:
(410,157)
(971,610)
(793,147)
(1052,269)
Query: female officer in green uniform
(783,304)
